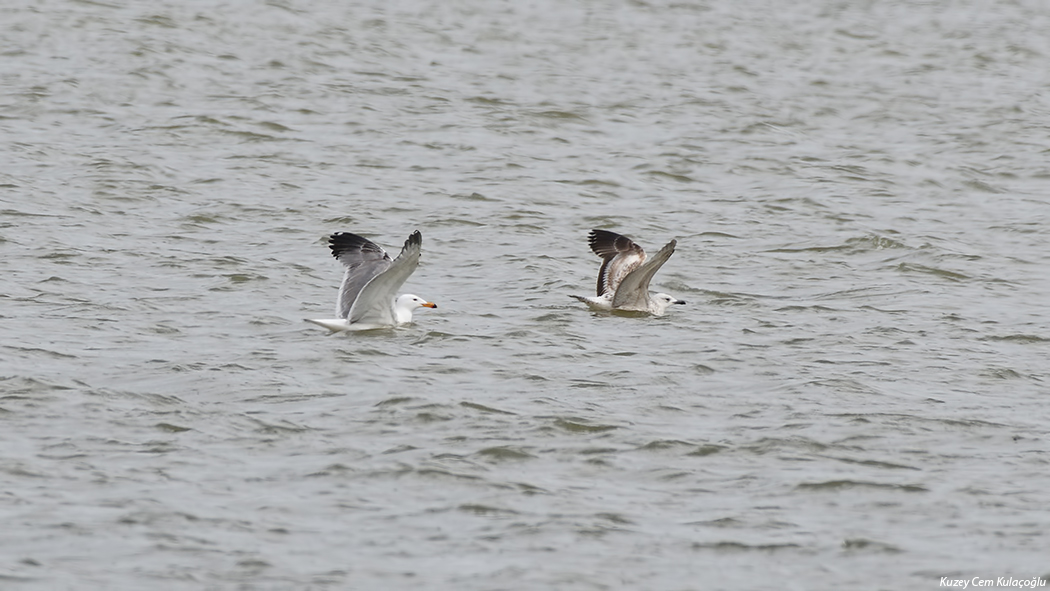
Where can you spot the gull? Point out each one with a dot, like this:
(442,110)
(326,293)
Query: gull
(623,280)
(366,298)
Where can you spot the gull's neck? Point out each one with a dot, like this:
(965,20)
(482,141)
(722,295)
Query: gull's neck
(403,312)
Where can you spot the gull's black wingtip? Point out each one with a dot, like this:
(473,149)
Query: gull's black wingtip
(341,242)
(605,243)
(599,235)
(414,238)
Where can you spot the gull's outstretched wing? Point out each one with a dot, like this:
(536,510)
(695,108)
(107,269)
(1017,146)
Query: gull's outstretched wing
(363,260)
(619,255)
(633,291)
(375,302)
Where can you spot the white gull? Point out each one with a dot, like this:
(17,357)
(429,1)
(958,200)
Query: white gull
(366,298)
(623,280)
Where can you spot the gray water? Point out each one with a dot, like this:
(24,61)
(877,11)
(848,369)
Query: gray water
(855,397)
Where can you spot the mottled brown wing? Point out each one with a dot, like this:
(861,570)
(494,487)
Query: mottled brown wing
(619,255)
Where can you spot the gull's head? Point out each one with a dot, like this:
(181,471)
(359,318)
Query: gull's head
(411,302)
(662,301)
(405,303)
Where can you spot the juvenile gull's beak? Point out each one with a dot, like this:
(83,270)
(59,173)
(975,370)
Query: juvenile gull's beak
(679,301)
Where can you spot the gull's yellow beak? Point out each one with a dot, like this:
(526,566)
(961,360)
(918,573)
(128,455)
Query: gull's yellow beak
(429,305)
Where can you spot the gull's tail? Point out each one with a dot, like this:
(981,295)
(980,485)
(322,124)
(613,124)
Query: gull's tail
(334,324)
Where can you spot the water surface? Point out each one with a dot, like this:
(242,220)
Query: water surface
(855,396)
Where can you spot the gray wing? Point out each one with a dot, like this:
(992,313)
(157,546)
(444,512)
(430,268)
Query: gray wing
(633,292)
(619,255)
(375,302)
(363,260)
